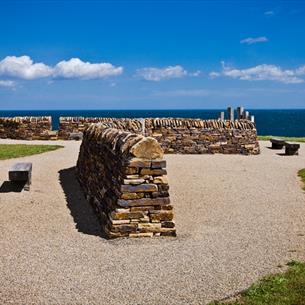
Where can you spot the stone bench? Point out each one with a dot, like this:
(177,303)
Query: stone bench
(291,148)
(277,143)
(77,136)
(21,172)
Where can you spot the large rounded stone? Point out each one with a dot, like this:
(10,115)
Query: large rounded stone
(147,148)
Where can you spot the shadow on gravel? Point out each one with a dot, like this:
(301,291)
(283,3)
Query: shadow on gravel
(85,219)
(284,155)
(12,187)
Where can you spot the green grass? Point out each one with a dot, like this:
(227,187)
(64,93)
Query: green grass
(301,173)
(287,288)
(290,139)
(8,151)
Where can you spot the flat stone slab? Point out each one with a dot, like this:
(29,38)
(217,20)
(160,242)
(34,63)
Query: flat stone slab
(291,148)
(21,172)
(277,143)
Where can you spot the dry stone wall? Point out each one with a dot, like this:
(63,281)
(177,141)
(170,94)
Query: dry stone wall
(195,136)
(185,136)
(124,177)
(68,125)
(27,128)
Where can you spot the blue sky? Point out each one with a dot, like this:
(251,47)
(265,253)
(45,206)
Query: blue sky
(151,54)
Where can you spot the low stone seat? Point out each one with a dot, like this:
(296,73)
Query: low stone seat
(77,136)
(277,143)
(291,148)
(21,172)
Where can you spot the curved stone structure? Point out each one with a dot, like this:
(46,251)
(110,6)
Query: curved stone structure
(123,176)
(184,136)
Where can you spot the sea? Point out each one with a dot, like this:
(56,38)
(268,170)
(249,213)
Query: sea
(276,122)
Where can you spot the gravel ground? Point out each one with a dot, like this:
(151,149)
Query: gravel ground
(238,218)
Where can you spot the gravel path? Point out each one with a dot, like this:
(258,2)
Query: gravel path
(237,218)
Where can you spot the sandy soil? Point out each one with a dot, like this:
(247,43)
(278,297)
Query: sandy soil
(238,218)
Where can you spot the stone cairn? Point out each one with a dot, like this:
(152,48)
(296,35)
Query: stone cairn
(242,114)
(124,177)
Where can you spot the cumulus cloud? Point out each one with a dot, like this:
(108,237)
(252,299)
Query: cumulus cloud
(251,40)
(7,83)
(158,74)
(75,68)
(23,67)
(263,72)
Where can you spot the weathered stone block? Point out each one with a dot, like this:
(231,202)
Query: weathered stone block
(142,188)
(167,224)
(133,181)
(138,163)
(143,202)
(132,196)
(160,180)
(126,216)
(153,172)
(161,216)
(147,148)
(149,227)
(158,164)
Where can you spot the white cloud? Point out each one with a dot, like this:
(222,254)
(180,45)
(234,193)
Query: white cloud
(158,74)
(263,72)
(75,68)
(7,83)
(269,13)
(251,40)
(196,73)
(214,74)
(300,71)
(23,67)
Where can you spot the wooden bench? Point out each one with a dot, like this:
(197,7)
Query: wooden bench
(21,172)
(277,143)
(291,148)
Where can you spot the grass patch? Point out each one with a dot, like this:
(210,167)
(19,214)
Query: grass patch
(285,288)
(301,173)
(289,139)
(9,151)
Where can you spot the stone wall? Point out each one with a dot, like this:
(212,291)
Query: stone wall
(195,136)
(27,128)
(185,136)
(68,125)
(124,177)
